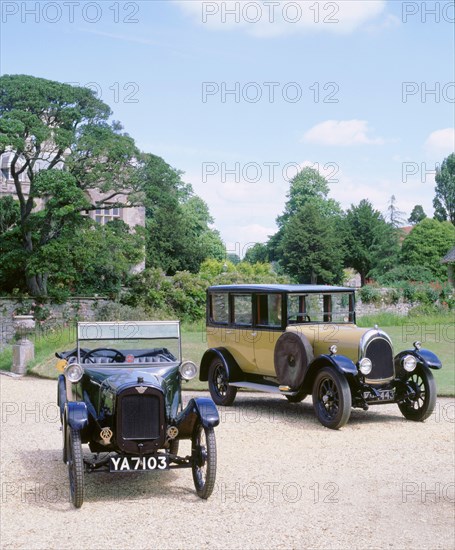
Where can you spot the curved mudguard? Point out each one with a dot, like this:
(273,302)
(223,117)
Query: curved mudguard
(61,395)
(77,414)
(340,363)
(199,409)
(232,369)
(424,357)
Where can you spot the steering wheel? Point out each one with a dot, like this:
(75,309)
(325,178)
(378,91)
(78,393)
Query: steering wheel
(114,354)
(300,317)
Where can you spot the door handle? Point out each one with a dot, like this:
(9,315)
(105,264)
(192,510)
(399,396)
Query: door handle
(253,334)
(229,332)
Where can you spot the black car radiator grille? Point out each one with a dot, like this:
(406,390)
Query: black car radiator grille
(140,417)
(380,353)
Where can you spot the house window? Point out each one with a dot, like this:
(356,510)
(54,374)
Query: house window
(6,173)
(106,215)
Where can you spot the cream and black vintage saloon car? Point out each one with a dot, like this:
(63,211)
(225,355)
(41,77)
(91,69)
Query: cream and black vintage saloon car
(297,340)
(120,393)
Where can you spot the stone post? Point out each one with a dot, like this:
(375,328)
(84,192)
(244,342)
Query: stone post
(23,349)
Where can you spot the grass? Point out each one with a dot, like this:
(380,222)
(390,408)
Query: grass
(436,332)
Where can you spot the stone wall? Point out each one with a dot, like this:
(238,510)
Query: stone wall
(77,309)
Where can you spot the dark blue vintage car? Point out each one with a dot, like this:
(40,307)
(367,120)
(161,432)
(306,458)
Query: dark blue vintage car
(120,393)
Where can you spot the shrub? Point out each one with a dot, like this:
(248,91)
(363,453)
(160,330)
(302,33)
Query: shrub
(406,273)
(370,295)
(392,296)
(115,311)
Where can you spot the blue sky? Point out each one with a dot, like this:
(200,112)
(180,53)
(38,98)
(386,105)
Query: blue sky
(337,71)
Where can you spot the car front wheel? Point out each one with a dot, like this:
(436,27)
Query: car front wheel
(331,398)
(203,447)
(220,390)
(420,405)
(75,467)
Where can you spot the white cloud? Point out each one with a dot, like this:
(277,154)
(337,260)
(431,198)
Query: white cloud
(440,142)
(341,132)
(264,18)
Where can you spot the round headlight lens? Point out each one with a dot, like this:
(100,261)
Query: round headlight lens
(409,363)
(365,366)
(74,372)
(188,370)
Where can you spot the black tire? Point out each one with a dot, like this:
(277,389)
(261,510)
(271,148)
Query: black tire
(65,443)
(331,398)
(293,353)
(203,452)
(75,467)
(420,407)
(300,396)
(221,392)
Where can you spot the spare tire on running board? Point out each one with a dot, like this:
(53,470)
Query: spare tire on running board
(293,354)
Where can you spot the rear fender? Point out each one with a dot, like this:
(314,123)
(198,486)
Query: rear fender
(233,370)
(199,409)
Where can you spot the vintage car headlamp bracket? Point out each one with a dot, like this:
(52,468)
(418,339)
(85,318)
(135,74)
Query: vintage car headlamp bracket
(417,345)
(365,366)
(188,370)
(409,363)
(73,372)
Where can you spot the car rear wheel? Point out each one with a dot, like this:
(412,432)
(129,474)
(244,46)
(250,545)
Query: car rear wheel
(75,467)
(220,390)
(420,406)
(203,452)
(331,398)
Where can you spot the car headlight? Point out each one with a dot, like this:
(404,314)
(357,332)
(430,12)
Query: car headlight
(409,363)
(188,370)
(74,372)
(365,366)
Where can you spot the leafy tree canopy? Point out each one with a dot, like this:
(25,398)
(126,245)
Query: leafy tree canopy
(417,214)
(427,244)
(444,201)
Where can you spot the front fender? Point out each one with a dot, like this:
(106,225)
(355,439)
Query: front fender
(424,357)
(76,414)
(61,395)
(199,409)
(233,371)
(340,363)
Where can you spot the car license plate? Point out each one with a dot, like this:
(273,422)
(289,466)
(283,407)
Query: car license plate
(138,463)
(384,395)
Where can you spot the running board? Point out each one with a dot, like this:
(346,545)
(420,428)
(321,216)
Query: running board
(261,387)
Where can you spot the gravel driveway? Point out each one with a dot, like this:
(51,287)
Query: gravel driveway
(283,481)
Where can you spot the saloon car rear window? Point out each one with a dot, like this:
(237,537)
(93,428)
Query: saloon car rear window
(219,308)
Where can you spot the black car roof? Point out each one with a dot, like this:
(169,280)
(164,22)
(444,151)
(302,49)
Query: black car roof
(280,288)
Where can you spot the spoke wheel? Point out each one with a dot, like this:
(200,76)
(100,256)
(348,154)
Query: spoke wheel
(419,406)
(220,390)
(75,466)
(331,398)
(203,452)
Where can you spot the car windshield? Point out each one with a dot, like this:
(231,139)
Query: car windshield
(131,343)
(321,308)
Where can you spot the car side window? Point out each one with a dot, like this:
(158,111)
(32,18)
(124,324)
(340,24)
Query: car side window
(219,308)
(242,309)
(268,310)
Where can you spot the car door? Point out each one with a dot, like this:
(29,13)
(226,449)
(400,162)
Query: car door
(268,325)
(240,334)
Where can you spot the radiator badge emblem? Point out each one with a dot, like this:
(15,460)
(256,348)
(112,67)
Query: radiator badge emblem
(141,389)
(106,434)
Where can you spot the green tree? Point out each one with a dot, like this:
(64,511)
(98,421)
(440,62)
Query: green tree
(370,242)
(258,253)
(444,201)
(59,137)
(426,244)
(311,247)
(417,214)
(178,236)
(394,216)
